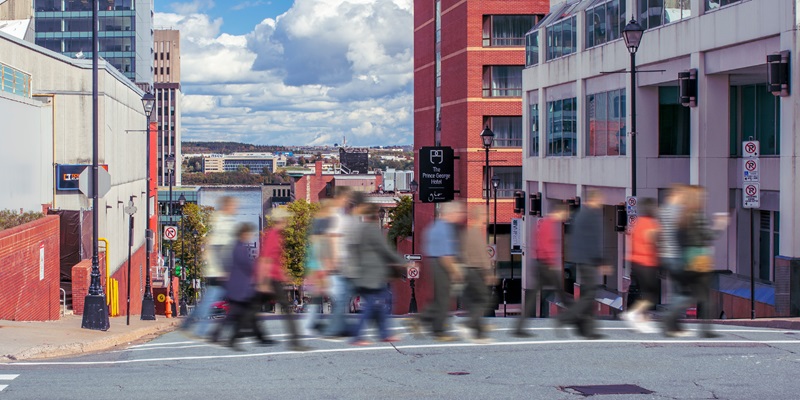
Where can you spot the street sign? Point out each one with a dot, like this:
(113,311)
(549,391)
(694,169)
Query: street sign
(632,220)
(752,195)
(750,148)
(412,257)
(103,182)
(437,181)
(492,250)
(170,232)
(516,235)
(631,203)
(750,168)
(412,272)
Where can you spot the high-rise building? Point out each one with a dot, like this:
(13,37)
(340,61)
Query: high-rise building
(167,68)
(125,33)
(468,61)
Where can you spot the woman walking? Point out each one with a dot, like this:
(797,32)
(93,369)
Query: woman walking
(643,256)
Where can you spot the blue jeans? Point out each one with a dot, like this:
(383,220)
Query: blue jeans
(201,317)
(373,307)
(340,295)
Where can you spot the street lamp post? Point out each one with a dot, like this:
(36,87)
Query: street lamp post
(171,170)
(412,305)
(130,210)
(487,136)
(95,309)
(495,184)
(382,215)
(632,33)
(148,304)
(181,203)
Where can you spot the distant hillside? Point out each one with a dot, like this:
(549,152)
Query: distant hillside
(226,147)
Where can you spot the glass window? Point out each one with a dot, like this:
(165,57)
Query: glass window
(605,117)
(561,38)
(532,48)
(507,131)
(755,113)
(714,4)
(507,30)
(604,22)
(561,127)
(533,115)
(510,180)
(502,81)
(673,123)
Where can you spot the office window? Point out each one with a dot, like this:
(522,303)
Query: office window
(507,30)
(561,38)
(533,119)
(605,117)
(510,180)
(562,130)
(714,4)
(674,129)
(654,13)
(604,22)
(502,81)
(532,49)
(507,131)
(755,113)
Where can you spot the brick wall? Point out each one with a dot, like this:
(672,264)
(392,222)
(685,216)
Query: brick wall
(25,295)
(81,279)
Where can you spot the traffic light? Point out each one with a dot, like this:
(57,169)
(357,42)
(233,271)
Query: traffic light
(621,214)
(177,270)
(519,202)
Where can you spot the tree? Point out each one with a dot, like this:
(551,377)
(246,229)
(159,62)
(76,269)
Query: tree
(400,216)
(192,229)
(295,238)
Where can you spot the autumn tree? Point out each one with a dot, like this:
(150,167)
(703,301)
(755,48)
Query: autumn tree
(400,215)
(295,238)
(189,250)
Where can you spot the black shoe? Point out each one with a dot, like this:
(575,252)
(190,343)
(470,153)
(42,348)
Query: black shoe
(233,346)
(266,342)
(522,334)
(710,335)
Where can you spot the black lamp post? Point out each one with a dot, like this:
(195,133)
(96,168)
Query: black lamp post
(148,304)
(382,215)
(412,305)
(171,170)
(495,184)
(632,33)
(95,309)
(487,136)
(181,203)
(130,210)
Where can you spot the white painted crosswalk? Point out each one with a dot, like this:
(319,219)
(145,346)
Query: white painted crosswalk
(4,379)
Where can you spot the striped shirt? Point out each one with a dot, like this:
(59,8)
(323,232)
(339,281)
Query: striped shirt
(668,216)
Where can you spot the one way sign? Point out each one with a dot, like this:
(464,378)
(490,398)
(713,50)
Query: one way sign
(412,257)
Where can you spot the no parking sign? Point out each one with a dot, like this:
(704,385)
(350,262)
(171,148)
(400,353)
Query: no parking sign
(170,232)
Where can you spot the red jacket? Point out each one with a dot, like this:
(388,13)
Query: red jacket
(272,248)
(548,241)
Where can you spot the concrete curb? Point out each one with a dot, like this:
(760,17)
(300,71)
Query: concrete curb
(93,345)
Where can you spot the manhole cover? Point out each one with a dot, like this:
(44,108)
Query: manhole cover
(458,373)
(609,389)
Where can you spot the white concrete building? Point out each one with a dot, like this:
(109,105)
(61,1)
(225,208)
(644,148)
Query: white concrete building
(577,106)
(47,126)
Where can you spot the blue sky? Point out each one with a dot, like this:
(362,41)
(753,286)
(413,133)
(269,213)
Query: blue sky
(295,72)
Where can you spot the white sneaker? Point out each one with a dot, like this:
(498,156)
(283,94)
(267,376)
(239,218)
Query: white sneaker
(646,327)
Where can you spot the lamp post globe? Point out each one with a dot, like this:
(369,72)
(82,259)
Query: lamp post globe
(148,102)
(632,33)
(182,200)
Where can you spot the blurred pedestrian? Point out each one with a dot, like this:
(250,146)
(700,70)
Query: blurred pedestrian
(478,274)
(318,261)
(695,236)
(220,241)
(240,292)
(374,264)
(272,271)
(442,249)
(548,266)
(585,248)
(340,290)
(643,255)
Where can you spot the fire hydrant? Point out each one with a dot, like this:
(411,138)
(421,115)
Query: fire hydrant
(168,303)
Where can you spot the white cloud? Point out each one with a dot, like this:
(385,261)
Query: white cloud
(192,7)
(322,70)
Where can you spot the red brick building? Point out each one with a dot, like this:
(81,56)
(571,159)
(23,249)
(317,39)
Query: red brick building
(468,60)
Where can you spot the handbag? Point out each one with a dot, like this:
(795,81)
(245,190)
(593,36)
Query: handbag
(699,259)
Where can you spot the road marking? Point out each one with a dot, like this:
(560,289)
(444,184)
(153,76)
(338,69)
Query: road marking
(7,377)
(3,387)
(408,347)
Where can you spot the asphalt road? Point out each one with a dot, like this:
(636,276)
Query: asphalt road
(745,363)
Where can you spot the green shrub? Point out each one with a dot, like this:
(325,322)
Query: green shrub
(11,218)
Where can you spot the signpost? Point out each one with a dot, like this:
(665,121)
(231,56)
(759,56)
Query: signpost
(103,182)
(492,250)
(412,257)
(631,207)
(751,198)
(436,174)
(412,272)
(516,235)
(170,232)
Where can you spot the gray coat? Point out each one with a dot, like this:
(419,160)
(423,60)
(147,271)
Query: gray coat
(371,257)
(585,239)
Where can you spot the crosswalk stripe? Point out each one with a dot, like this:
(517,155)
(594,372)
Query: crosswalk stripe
(8,377)
(3,387)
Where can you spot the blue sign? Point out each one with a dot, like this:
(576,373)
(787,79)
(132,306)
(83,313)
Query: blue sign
(67,176)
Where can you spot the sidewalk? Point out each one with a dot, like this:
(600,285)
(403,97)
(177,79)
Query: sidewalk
(65,337)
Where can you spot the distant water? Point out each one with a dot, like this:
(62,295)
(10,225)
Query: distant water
(249,202)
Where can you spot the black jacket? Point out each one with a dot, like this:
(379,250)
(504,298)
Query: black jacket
(585,238)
